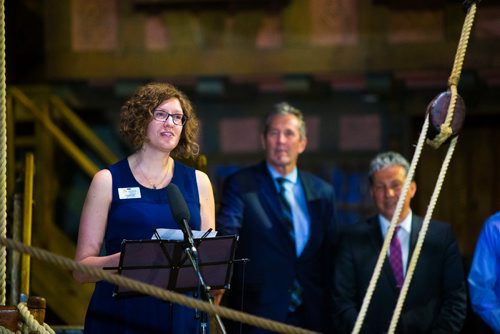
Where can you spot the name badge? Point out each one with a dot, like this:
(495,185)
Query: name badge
(129,193)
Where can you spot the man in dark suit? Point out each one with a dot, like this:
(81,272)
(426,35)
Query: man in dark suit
(436,301)
(287,239)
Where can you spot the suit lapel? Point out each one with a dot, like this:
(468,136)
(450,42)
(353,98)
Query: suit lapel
(313,211)
(416,225)
(314,204)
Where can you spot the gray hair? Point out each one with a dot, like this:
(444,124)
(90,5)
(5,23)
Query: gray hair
(386,159)
(284,108)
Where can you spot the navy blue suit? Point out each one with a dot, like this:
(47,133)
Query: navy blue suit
(250,208)
(436,301)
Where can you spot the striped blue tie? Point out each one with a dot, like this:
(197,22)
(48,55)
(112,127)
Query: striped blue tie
(296,289)
(285,204)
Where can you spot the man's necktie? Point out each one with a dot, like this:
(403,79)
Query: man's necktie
(296,289)
(285,204)
(396,259)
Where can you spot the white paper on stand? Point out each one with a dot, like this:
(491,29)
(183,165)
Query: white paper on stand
(175,234)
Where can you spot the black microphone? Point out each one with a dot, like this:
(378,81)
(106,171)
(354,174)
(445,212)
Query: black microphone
(181,215)
(180,211)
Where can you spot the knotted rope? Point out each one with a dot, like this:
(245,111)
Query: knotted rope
(446,130)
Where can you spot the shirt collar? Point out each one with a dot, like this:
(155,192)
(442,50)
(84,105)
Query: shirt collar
(405,224)
(292,176)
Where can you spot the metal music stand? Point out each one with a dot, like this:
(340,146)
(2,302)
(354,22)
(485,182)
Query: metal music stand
(164,263)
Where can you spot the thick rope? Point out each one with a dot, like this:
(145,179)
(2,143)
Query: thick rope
(151,290)
(445,133)
(446,130)
(421,236)
(462,47)
(3,159)
(27,323)
(4,330)
(382,256)
(30,323)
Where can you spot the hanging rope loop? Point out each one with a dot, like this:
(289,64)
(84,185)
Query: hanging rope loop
(445,126)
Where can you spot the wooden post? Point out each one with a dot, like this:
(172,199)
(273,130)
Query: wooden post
(9,317)
(37,306)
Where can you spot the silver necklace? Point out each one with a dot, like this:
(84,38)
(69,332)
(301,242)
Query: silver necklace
(155,185)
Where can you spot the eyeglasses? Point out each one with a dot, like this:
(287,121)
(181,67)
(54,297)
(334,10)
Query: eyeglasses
(162,116)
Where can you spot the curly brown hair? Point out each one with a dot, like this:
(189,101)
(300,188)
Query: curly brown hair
(137,112)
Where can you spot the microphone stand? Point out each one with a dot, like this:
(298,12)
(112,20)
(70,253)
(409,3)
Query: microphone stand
(192,254)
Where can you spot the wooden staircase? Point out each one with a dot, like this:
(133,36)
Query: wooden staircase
(33,118)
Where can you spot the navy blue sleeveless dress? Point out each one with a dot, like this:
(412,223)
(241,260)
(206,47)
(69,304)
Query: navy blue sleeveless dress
(135,218)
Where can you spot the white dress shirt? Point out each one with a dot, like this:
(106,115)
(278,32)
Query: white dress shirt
(298,203)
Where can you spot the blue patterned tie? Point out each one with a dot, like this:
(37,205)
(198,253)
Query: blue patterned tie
(296,289)
(285,204)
